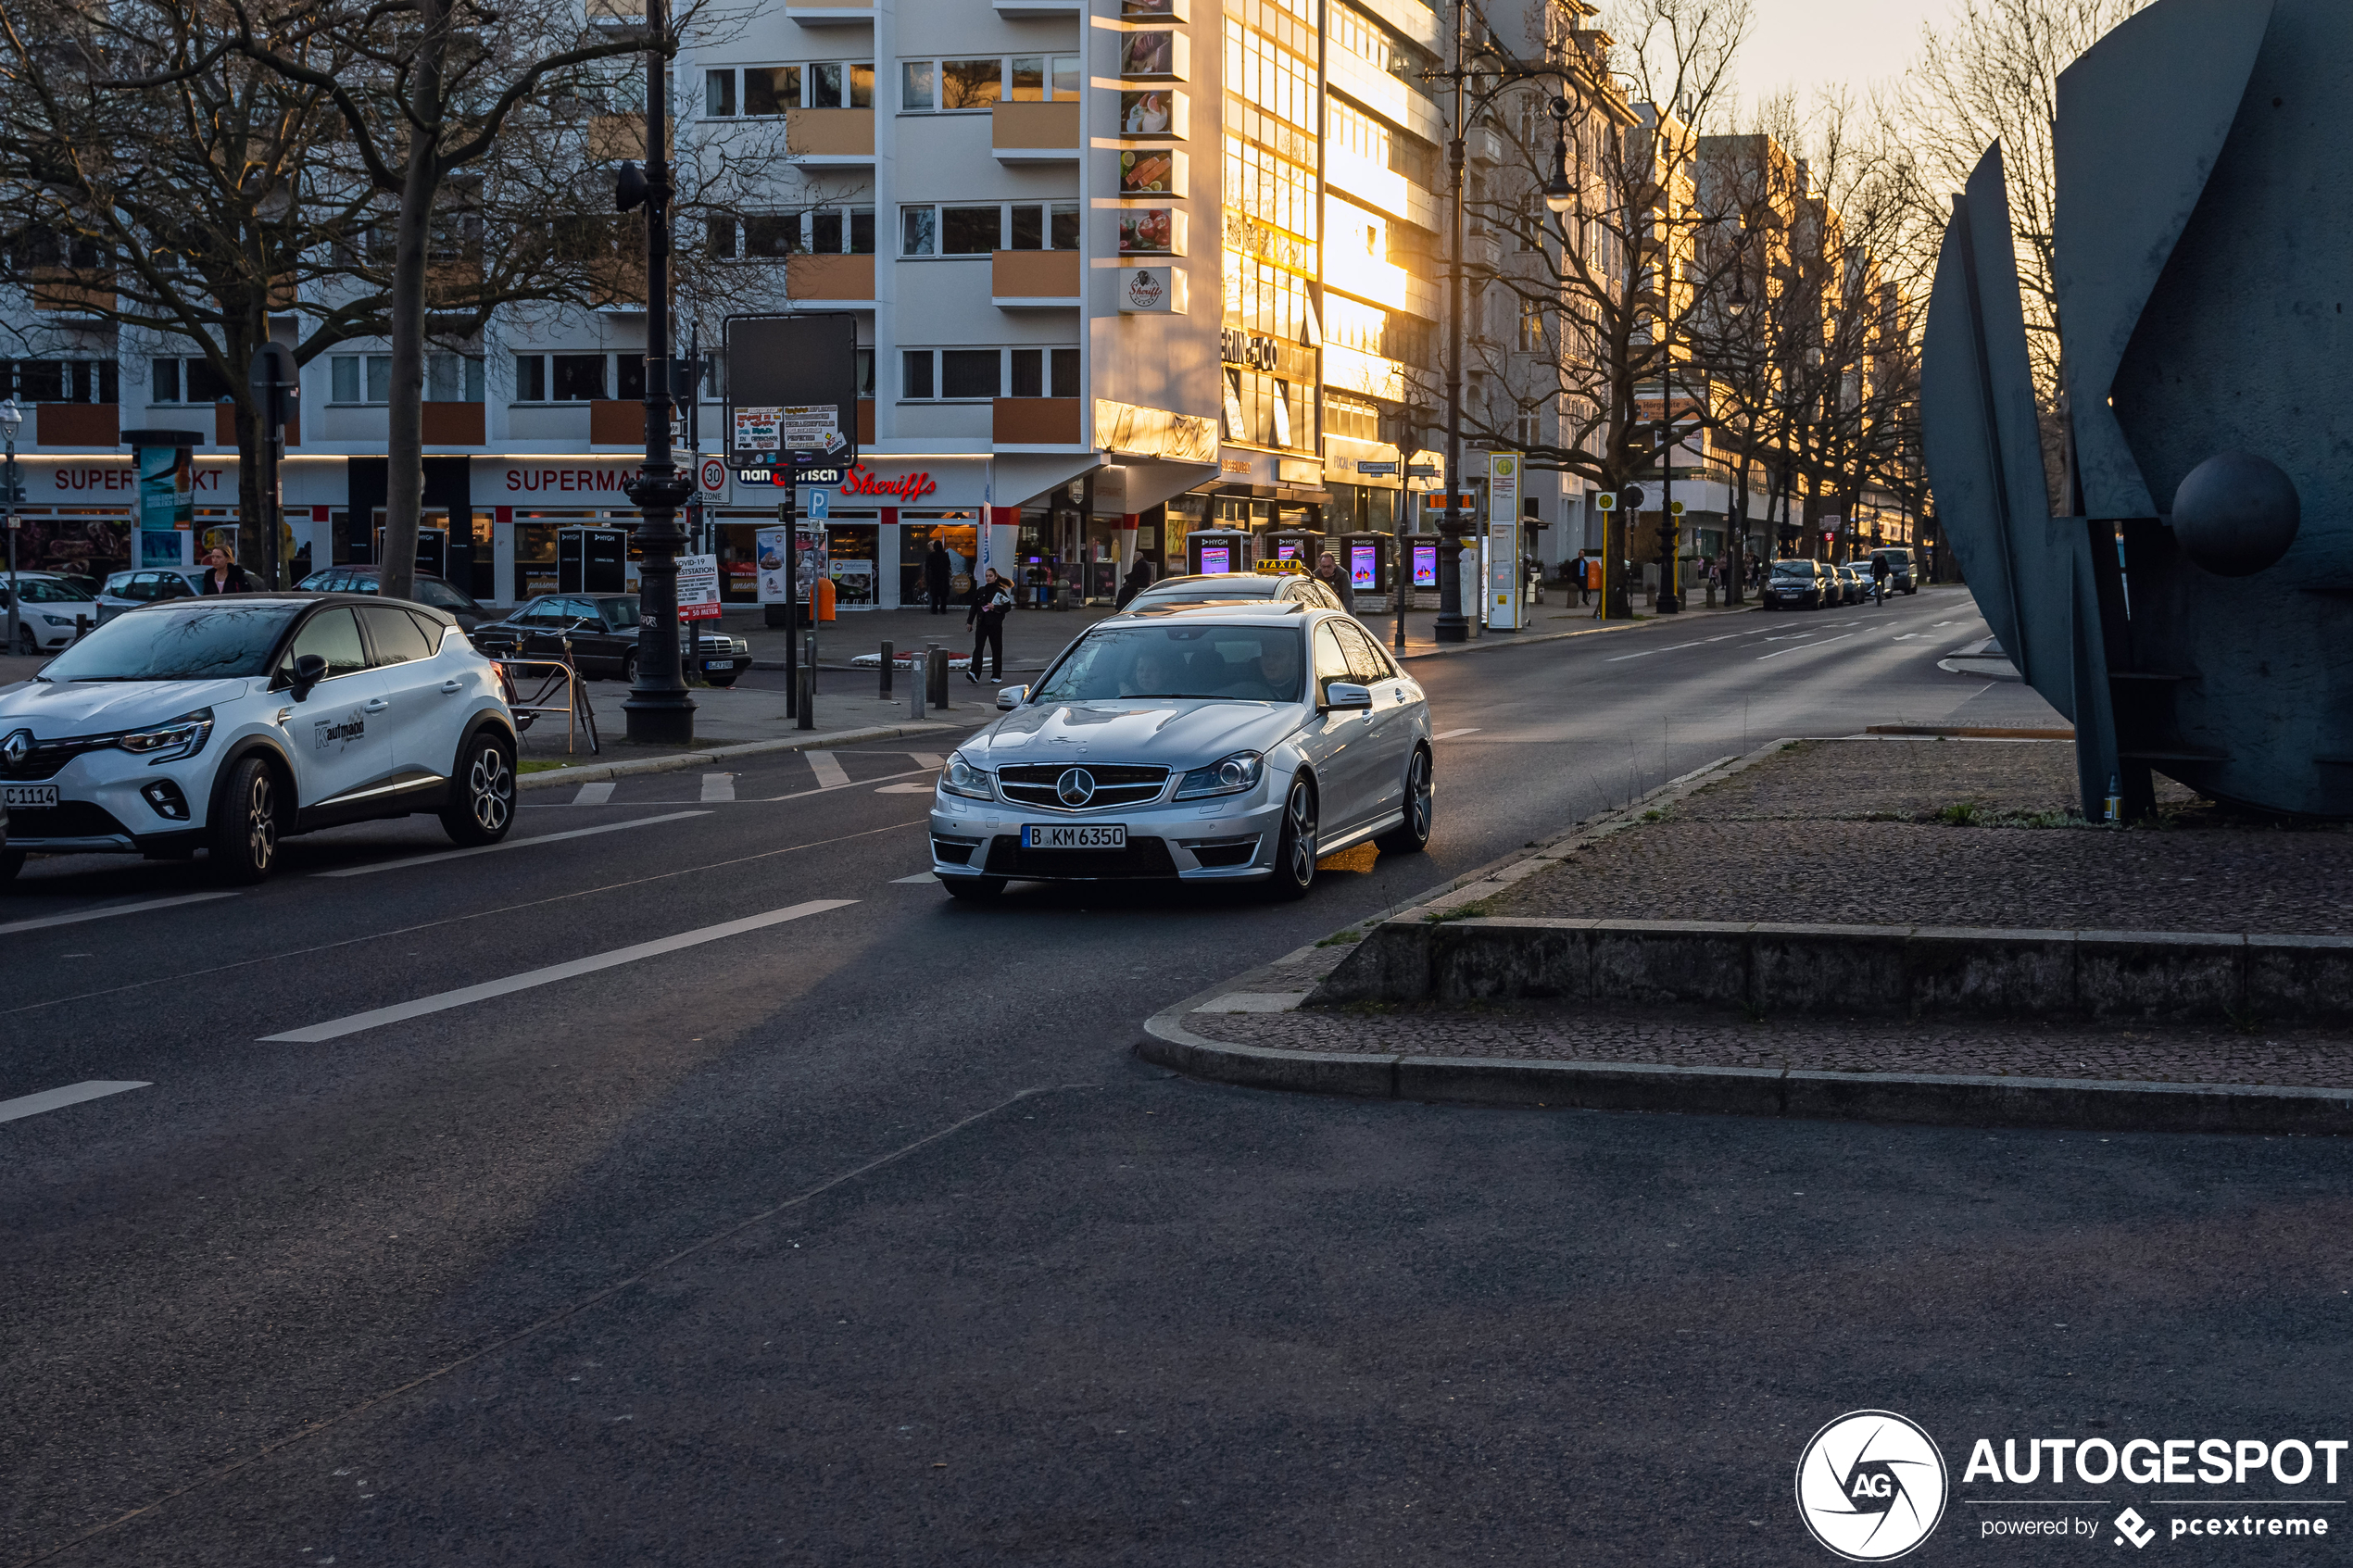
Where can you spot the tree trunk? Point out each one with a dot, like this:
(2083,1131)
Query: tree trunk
(1616,603)
(404,446)
(1736,536)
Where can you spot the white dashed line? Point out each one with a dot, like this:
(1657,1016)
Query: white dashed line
(593,794)
(57,1099)
(80,915)
(335,1028)
(1450,734)
(719,786)
(511,844)
(1803,646)
(828,769)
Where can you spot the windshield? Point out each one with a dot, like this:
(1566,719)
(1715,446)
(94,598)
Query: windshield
(47,591)
(1244,663)
(199,643)
(1792,568)
(441,595)
(619,612)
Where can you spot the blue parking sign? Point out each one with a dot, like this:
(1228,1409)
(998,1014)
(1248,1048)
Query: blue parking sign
(820,505)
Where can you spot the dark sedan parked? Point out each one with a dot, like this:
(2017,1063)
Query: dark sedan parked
(602,630)
(1799,584)
(429,591)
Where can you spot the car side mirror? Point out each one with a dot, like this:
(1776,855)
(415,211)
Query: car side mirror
(1010,697)
(1342,696)
(309,670)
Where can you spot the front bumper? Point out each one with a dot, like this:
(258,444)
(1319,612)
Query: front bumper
(105,805)
(1233,839)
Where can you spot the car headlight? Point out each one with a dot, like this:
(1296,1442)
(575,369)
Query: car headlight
(1228,775)
(183,736)
(55,620)
(960,777)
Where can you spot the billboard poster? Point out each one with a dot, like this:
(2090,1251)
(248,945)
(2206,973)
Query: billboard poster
(1425,566)
(697,587)
(1216,558)
(759,429)
(1363,566)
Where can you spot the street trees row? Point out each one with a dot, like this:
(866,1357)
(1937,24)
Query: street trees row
(207,175)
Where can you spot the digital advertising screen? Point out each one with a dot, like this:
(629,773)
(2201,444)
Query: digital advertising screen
(1216,558)
(1363,566)
(1425,565)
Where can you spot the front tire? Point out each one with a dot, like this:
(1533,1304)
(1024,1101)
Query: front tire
(629,669)
(482,802)
(1412,836)
(1295,853)
(973,889)
(243,835)
(26,642)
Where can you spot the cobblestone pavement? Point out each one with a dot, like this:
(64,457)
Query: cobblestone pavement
(1687,1037)
(1734,852)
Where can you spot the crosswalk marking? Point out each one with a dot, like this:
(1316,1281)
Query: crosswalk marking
(593,794)
(57,1099)
(80,915)
(928,760)
(510,844)
(828,769)
(719,786)
(335,1028)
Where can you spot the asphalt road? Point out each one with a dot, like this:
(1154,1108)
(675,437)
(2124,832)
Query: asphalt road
(849,1229)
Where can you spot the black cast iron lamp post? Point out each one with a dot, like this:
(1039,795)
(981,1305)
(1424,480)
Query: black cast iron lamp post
(660,712)
(11,419)
(1559,194)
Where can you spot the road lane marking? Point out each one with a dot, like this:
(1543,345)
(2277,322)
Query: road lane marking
(928,760)
(335,1028)
(1671,647)
(593,794)
(828,769)
(81,915)
(719,786)
(1450,734)
(1803,646)
(57,1099)
(509,844)
(1623,656)
(913,787)
(910,881)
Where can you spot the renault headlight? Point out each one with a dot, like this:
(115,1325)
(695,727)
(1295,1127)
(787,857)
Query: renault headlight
(183,736)
(1230,775)
(962,778)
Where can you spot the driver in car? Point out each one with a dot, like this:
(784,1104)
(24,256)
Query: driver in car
(1273,676)
(1155,673)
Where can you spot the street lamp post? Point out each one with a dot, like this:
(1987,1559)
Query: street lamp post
(660,712)
(11,418)
(1452,627)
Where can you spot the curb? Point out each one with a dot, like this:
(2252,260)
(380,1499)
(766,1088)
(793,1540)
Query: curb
(595,771)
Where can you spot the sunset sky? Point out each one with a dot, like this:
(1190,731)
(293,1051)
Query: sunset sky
(1812,43)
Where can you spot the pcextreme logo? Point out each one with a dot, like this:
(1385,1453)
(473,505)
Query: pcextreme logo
(1871,1486)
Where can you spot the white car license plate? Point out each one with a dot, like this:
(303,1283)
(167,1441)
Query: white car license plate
(29,794)
(1103,836)
(718,664)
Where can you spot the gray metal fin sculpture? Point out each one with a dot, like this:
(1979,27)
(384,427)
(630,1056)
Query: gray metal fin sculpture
(2032,574)
(2142,119)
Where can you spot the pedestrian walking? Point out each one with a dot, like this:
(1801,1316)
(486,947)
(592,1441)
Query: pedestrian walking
(223,574)
(938,570)
(991,602)
(1140,577)
(1328,573)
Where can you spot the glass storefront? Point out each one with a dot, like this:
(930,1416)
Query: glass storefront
(960,532)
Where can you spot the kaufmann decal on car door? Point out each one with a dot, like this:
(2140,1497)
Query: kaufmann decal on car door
(337,734)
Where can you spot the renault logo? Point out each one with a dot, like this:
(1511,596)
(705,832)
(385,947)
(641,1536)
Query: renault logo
(1076,787)
(19,747)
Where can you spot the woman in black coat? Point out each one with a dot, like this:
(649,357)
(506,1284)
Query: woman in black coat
(222,575)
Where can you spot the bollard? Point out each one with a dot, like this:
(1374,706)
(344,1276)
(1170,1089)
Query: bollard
(807,677)
(918,678)
(936,674)
(80,627)
(885,672)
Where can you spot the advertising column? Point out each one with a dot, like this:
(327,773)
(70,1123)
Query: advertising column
(165,461)
(1504,586)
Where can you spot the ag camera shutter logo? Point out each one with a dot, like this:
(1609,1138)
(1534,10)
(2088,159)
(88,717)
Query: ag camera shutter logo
(1872,1486)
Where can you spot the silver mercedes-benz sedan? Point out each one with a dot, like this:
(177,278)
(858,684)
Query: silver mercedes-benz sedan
(1231,743)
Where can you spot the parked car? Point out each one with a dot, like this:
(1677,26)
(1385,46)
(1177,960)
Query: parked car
(431,590)
(1855,587)
(1798,585)
(1217,743)
(225,724)
(1901,576)
(1283,587)
(47,617)
(129,590)
(601,631)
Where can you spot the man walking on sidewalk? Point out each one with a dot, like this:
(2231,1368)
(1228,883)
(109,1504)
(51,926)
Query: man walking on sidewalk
(937,576)
(991,602)
(1328,573)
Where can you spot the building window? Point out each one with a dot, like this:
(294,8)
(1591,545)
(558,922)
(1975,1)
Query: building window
(1352,420)
(1044,372)
(772,90)
(975,374)
(453,378)
(942,86)
(971,372)
(579,378)
(951,231)
(360,378)
(835,231)
(531,378)
(1050,226)
(183,380)
(771,234)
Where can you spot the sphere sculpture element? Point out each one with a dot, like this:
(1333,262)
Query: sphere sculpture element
(2237,513)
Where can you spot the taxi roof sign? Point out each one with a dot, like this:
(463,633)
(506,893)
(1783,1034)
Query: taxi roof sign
(1280,567)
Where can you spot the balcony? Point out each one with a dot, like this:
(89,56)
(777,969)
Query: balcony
(75,291)
(78,425)
(1034,132)
(612,423)
(455,424)
(224,425)
(1041,11)
(1036,280)
(1035,422)
(830,138)
(832,279)
(833,13)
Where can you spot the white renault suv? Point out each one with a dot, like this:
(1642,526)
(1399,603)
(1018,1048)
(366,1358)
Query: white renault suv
(1217,743)
(226,724)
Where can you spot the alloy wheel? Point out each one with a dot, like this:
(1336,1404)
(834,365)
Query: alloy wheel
(1300,812)
(1418,792)
(261,821)
(490,789)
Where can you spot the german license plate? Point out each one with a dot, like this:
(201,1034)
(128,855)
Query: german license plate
(1100,836)
(29,794)
(718,664)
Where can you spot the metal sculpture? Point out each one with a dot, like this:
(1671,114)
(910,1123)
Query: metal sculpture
(2193,614)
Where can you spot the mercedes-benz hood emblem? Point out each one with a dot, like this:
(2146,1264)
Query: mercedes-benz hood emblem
(1076,787)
